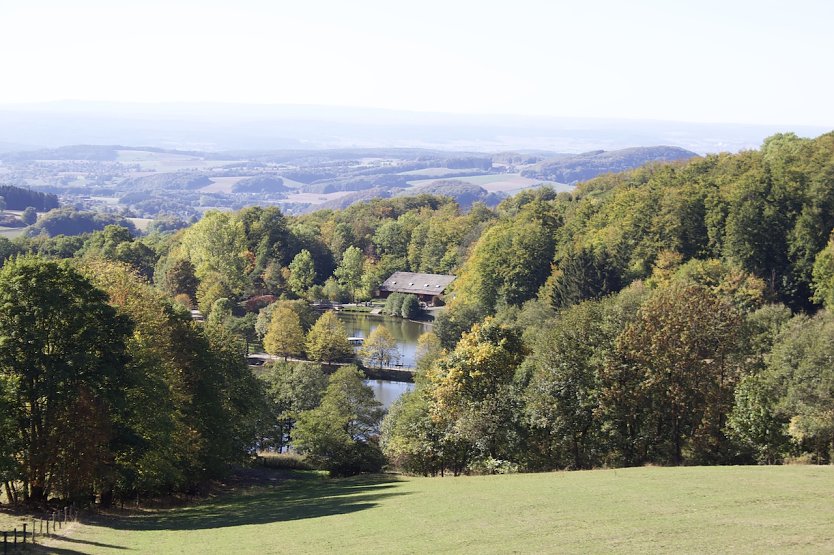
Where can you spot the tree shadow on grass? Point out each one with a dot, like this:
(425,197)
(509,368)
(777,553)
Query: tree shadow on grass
(290,500)
(40,548)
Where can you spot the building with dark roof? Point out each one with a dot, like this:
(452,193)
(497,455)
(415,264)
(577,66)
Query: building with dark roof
(427,287)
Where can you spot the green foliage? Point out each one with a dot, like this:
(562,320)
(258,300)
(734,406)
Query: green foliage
(291,389)
(380,348)
(68,221)
(307,316)
(393,304)
(211,288)
(333,291)
(668,385)
(823,276)
(62,350)
(221,312)
(800,366)
(216,247)
(412,439)
(755,421)
(285,336)
(302,273)
(451,324)
(410,307)
(563,393)
(473,394)
(583,275)
(117,243)
(18,198)
(178,277)
(191,406)
(350,270)
(341,434)
(509,263)
(29,216)
(327,340)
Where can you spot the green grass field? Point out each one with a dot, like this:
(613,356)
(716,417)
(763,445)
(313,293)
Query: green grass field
(11,232)
(638,510)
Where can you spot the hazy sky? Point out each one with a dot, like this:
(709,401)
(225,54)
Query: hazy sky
(756,61)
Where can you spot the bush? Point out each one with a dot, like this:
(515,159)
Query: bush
(410,307)
(393,304)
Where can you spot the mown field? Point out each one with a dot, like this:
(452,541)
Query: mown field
(11,232)
(638,510)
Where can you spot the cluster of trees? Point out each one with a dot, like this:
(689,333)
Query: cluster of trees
(333,421)
(69,221)
(325,341)
(404,305)
(107,389)
(675,314)
(17,198)
(110,390)
(692,366)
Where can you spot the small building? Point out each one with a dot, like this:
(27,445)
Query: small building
(427,287)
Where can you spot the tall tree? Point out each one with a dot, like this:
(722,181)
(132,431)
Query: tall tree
(472,388)
(302,273)
(63,349)
(285,336)
(216,245)
(292,388)
(380,348)
(327,340)
(340,435)
(669,383)
(350,270)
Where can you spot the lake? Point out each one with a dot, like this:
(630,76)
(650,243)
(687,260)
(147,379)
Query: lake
(406,332)
(386,391)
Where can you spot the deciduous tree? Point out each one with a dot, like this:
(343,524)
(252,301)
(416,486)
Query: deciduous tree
(380,348)
(285,336)
(327,340)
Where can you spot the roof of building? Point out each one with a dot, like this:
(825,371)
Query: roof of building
(417,284)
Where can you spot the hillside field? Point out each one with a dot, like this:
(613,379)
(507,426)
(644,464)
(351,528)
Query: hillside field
(636,510)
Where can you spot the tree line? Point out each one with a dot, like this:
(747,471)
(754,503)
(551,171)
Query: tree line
(673,314)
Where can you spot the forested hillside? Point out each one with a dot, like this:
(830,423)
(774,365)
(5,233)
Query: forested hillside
(674,314)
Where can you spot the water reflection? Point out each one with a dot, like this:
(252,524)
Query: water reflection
(386,392)
(405,332)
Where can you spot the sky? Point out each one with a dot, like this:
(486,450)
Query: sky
(728,61)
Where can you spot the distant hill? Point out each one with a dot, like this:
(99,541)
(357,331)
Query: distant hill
(260,184)
(581,167)
(462,192)
(351,198)
(98,153)
(167,181)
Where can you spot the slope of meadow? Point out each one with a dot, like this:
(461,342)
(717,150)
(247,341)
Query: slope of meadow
(637,510)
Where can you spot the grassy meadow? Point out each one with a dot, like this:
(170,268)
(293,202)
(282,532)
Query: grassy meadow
(637,510)
(11,232)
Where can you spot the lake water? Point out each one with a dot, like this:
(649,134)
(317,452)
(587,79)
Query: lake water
(386,392)
(405,332)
